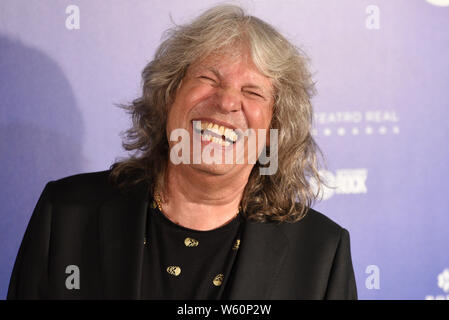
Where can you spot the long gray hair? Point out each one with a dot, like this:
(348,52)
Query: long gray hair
(283,196)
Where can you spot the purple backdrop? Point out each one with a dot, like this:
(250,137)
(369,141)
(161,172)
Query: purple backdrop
(382,73)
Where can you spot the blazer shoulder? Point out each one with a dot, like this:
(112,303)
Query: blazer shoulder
(319,219)
(313,226)
(82,186)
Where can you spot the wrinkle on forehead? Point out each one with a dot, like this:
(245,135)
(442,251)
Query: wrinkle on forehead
(228,55)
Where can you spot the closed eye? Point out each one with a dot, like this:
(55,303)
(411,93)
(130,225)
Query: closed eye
(207,78)
(255,94)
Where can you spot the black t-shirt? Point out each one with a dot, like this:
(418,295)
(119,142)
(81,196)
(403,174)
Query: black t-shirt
(180,263)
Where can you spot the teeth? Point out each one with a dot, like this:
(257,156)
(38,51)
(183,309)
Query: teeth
(218,130)
(208,137)
(230,134)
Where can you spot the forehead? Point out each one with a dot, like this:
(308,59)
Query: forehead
(225,56)
(233,63)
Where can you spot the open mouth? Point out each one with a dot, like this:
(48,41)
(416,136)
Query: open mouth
(216,133)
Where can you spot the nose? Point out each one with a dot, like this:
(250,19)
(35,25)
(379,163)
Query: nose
(229,100)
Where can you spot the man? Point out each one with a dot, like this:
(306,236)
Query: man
(156,227)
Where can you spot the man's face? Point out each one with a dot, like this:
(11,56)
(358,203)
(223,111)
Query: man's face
(227,94)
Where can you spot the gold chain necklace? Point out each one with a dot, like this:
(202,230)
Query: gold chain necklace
(158,200)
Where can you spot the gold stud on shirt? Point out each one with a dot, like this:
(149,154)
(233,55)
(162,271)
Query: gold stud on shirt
(218,280)
(190,242)
(174,270)
(236,244)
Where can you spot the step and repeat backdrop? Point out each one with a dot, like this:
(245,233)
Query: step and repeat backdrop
(381,115)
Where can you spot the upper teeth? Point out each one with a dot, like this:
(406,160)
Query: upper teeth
(217,129)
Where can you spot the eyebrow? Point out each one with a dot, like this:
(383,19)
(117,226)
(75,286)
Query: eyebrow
(214,71)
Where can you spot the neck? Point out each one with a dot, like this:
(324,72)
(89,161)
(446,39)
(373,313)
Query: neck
(199,200)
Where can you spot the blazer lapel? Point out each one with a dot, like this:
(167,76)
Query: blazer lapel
(122,224)
(261,254)
(122,228)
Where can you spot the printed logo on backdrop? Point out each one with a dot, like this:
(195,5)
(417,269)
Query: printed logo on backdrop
(443,284)
(356,123)
(342,182)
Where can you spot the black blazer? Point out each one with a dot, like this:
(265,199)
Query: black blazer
(82,220)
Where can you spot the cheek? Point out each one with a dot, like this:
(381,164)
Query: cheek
(178,109)
(173,111)
(259,116)
(186,99)
(189,97)
(197,94)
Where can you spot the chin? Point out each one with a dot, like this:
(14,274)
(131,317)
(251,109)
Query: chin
(213,169)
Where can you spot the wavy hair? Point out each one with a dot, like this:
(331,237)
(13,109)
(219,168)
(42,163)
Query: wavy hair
(283,196)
